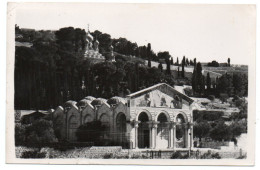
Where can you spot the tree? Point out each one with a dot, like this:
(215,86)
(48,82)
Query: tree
(201,129)
(223,97)
(177,62)
(240,82)
(160,67)
(221,131)
(229,62)
(225,84)
(200,79)
(187,62)
(90,132)
(39,133)
(168,69)
(208,82)
(171,61)
(213,64)
(182,65)
(149,54)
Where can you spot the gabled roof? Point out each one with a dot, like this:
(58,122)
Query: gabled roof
(163,87)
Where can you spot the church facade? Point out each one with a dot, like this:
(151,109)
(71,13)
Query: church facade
(158,117)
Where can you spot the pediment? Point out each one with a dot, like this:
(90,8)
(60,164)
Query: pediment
(160,95)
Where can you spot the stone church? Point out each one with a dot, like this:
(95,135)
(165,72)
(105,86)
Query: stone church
(158,117)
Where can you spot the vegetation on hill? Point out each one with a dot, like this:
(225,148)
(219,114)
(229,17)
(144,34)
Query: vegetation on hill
(54,70)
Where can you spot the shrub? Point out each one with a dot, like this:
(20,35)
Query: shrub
(33,154)
(179,155)
(108,156)
(211,97)
(40,133)
(20,134)
(90,132)
(210,155)
(188,91)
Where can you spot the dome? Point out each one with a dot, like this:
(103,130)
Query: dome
(70,103)
(116,100)
(90,98)
(98,101)
(84,102)
(89,36)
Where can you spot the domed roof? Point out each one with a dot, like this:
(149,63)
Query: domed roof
(70,103)
(90,98)
(89,36)
(116,100)
(98,101)
(84,102)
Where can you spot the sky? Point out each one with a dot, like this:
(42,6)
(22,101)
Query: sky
(205,32)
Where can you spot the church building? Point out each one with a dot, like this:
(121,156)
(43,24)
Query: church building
(158,117)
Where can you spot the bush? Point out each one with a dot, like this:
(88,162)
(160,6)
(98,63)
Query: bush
(210,155)
(211,97)
(20,134)
(90,132)
(188,91)
(33,154)
(179,155)
(39,133)
(108,156)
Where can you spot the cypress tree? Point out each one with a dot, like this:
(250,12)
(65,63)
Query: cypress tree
(149,54)
(182,65)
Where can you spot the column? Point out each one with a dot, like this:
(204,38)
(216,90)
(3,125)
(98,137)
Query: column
(186,136)
(136,134)
(191,135)
(173,129)
(169,134)
(155,134)
(150,135)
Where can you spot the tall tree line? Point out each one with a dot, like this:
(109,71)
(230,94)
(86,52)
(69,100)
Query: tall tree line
(53,71)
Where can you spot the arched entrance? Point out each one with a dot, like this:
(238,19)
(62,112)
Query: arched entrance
(162,138)
(121,129)
(180,131)
(143,131)
(72,128)
(104,119)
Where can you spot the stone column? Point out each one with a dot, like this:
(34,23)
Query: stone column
(155,125)
(136,136)
(191,136)
(169,134)
(186,136)
(173,136)
(150,135)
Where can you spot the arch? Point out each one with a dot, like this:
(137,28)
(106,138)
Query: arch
(181,131)
(162,134)
(143,130)
(147,113)
(104,119)
(104,108)
(121,123)
(182,115)
(88,118)
(73,122)
(165,113)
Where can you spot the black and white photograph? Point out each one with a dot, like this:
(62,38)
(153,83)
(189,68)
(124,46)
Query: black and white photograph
(131,83)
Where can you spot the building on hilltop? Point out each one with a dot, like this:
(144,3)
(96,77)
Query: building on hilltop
(92,50)
(158,117)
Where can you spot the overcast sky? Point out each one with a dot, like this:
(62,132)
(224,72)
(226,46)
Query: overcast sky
(207,32)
